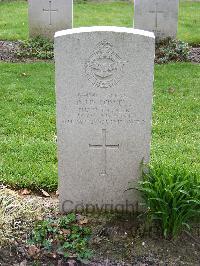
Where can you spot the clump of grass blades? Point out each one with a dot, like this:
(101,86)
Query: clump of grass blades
(173,201)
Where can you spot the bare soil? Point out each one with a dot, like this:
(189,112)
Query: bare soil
(116,240)
(194,54)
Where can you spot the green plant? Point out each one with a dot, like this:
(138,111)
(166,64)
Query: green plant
(64,236)
(38,47)
(171,50)
(171,200)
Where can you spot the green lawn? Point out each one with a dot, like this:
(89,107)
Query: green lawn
(27,123)
(189,22)
(13,18)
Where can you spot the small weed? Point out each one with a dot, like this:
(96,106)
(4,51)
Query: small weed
(64,237)
(39,48)
(171,50)
(173,201)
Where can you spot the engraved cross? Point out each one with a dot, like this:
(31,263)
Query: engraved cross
(50,10)
(156,11)
(104,146)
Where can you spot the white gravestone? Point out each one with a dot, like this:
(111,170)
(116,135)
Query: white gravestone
(159,16)
(48,16)
(104,81)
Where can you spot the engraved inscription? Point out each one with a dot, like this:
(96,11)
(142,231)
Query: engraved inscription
(50,10)
(104,68)
(104,146)
(91,108)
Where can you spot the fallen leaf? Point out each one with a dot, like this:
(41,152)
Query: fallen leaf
(39,218)
(82,221)
(51,255)
(57,193)
(44,193)
(54,225)
(24,74)
(25,192)
(66,232)
(33,251)
(171,90)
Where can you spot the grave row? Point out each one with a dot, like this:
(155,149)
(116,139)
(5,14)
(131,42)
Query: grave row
(48,16)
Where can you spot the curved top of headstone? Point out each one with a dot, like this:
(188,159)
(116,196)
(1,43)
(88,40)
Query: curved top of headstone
(104,28)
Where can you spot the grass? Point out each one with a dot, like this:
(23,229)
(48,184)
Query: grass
(27,123)
(103,14)
(14,20)
(189,22)
(14,26)
(176,128)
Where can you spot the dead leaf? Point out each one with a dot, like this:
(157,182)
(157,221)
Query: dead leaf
(51,255)
(82,221)
(171,90)
(25,192)
(54,225)
(39,218)
(57,193)
(33,251)
(66,232)
(24,74)
(44,193)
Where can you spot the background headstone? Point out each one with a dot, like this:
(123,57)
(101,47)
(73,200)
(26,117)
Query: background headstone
(159,16)
(48,16)
(104,81)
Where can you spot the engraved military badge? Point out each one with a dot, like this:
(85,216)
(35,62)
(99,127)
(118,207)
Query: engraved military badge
(104,68)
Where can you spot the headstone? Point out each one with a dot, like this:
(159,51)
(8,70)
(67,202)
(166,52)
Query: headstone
(104,80)
(48,16)
(159,16)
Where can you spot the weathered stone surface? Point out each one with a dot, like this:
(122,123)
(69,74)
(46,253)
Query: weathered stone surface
(104,80)
(48,16)
(159,16)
